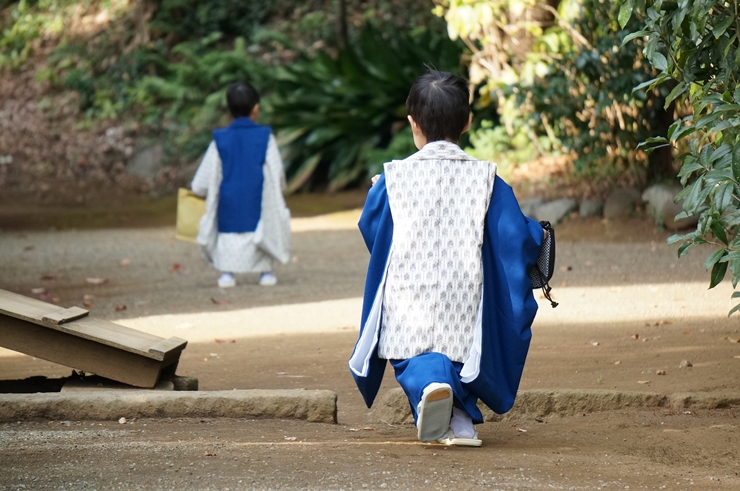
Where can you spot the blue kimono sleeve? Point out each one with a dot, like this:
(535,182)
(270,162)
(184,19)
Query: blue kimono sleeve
(511,245)
(376,227)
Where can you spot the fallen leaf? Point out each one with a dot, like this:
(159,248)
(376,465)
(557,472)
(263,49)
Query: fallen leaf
(594,343)
(521,429)
(125,262)
(38,291)
(635,336)
(97,281)
(660,372)
(290,438)
(219,302)
(687,412)
(122,421)
(282,373)
(48,277)
(644,339)
(686,332)
(734,340)
(177,267)
(206,453)
(227,341)
(643,382)
(566,268)
(617,362)
(119,308)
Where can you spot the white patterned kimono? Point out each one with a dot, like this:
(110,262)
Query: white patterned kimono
(432,300)
(251,252)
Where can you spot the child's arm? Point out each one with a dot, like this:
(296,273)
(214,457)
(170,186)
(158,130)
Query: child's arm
(203,175)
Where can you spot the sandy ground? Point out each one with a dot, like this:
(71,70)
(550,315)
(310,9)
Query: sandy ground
(615,282)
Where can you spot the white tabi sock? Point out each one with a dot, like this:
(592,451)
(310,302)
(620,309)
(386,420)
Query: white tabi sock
(461,424)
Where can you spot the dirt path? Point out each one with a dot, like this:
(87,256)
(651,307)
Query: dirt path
(617,280)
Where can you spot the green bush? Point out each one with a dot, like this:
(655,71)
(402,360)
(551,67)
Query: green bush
(332,112)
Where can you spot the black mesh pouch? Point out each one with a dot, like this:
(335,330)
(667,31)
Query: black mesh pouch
(542,271)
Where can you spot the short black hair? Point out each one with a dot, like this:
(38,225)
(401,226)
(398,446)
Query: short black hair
(439,102)
(241,99)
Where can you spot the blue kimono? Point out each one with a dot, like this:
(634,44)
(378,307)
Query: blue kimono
(511,246)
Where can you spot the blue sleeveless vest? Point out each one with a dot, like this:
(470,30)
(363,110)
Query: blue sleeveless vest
(242,147)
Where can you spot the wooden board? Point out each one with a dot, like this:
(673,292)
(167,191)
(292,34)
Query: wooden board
(72,338)
(65,315)
(100,331)
(79,353)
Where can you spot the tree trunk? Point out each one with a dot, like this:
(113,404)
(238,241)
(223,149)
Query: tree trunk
(341,24)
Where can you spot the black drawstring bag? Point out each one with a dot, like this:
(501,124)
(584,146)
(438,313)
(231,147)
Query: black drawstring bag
(542,271)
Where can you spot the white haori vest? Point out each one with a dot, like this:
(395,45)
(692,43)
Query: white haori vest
(432,297)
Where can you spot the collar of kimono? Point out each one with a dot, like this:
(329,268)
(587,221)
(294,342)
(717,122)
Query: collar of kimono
(442,150)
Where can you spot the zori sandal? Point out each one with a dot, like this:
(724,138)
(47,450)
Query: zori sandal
(434,412)
(450,439)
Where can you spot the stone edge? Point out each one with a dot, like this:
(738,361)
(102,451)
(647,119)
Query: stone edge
(310,405)
(393,408)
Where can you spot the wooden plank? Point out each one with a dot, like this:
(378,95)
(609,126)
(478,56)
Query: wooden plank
(164,347)
(65,315)
(82,354)
(101,331)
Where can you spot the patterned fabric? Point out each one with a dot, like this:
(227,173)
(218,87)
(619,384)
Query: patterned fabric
(438,198)
(250,252)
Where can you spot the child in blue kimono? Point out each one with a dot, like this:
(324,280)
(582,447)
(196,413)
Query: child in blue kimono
(246,226)
(448,301)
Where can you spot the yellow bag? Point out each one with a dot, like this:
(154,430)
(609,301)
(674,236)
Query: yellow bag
(190,207)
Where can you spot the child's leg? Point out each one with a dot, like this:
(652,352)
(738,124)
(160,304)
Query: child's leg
(415,374)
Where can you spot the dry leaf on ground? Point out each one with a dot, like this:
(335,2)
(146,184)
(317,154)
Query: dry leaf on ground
(96,281)
(225,341)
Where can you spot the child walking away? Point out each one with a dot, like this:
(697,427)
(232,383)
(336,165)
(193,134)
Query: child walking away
(448,301)
(246,226)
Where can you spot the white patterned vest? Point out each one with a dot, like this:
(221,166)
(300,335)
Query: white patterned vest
(438,199)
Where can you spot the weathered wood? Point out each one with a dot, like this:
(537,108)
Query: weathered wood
(71,338)
(101,331)
(79,353)
(65,315)
(165,346)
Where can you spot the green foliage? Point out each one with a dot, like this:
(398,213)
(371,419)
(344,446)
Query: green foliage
(568,90)
(193,19)
(26,22)
(695,45)
(332,112)
(585,95)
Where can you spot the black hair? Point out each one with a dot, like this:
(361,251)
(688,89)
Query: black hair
(439,102)
(241,99)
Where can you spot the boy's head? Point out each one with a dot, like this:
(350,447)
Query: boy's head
(439,105)
(243,100)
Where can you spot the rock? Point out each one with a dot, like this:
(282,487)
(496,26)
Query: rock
(589,208)
(147,163)
(685,364)
(393,408)
(182,383)
(555,211)
(663,209)
(621,203)
(529,205)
